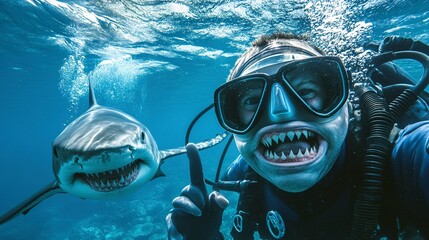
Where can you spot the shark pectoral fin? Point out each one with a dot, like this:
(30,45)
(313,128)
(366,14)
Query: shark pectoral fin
(212,141)
(24,207)
(200,146)
(159,173)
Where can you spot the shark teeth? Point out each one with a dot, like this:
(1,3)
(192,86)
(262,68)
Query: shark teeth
(112,179)
(289,146)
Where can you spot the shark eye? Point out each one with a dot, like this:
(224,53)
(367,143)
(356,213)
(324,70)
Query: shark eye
(55,153)
(143,136)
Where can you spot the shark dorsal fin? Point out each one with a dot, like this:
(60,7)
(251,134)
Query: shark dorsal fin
(92,100)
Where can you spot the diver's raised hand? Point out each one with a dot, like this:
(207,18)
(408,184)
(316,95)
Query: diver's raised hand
(195,214)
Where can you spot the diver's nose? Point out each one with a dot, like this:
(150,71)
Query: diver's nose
(280,105)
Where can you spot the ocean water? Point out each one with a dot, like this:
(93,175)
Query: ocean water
(159,61)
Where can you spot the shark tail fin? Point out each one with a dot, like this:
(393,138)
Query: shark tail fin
(92,100)
(29,203)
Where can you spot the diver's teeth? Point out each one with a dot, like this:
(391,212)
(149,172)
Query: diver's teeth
(276,157)
(307,153)
(265,143)
(266,153)
(276,139)
(283,157)
(102,185)
(291,155)
(290,135)
(282,137)
(305,132)
(117,170)
(298,134)
(269,141)
(300,155)
(271,155)
(122,180)
(108,184)
(114,184)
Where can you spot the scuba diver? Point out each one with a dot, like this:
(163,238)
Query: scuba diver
(313,163)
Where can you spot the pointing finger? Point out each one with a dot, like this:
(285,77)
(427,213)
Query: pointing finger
(195,168)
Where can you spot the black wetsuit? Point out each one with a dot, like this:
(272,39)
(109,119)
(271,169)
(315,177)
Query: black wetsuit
(325,211)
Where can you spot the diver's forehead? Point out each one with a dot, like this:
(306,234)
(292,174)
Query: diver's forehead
(277,53)
(271,64)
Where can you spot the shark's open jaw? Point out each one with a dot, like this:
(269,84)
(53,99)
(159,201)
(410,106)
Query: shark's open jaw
(293,146)
(112,180)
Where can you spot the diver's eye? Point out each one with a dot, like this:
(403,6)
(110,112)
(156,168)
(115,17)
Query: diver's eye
(143,136)
(307,93)
(251,103)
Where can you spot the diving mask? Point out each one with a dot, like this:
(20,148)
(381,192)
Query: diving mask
(319,84)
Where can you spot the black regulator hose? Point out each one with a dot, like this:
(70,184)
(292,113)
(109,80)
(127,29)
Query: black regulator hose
(407,98)
(396,43)
(380,119)
(195,120)
(376,113)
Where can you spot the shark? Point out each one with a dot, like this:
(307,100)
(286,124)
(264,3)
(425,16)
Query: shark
(102,154)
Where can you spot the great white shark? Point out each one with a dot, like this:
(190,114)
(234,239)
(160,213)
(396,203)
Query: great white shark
(102,154)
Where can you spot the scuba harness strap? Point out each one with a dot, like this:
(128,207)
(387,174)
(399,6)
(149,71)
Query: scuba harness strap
(245,221)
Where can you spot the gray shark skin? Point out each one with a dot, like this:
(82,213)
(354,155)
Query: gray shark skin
(103,154)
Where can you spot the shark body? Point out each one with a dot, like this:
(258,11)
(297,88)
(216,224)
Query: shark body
(104,153)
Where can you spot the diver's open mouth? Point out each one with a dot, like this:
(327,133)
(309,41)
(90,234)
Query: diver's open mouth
(113,179)
(290,147)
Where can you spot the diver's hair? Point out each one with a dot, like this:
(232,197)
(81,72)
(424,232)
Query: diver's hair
(264,40)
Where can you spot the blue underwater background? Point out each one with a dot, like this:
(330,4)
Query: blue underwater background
(160,62)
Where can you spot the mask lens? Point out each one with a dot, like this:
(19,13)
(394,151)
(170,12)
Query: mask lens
(239,101)
(319,84)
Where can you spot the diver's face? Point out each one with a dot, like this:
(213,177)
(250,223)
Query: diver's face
(297,150)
